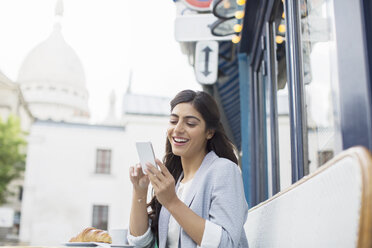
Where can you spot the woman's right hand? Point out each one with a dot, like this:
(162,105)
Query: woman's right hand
(139,180)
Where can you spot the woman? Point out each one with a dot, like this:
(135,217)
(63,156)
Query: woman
(199,197)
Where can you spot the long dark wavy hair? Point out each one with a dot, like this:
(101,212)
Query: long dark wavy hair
(219,143)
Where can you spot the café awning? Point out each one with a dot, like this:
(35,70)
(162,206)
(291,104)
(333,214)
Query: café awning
(228,88)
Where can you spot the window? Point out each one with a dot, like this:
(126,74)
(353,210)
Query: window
(281,101)
(311,77)
(103,161)
(284,138)
(17,221)
(320,79)
(324,156)
(100,217)
(20,193)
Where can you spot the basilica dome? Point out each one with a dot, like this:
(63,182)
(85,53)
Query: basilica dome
(55,61)
(52,79)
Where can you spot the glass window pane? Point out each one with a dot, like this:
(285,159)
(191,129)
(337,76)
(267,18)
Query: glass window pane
(320,78)
(284,135)
(100,217)
(268,138)
(103,161)
(284,132)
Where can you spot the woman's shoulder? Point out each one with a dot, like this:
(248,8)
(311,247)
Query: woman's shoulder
(223,173)
(223,167)
(224,163)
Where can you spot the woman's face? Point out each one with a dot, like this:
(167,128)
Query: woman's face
(187,131)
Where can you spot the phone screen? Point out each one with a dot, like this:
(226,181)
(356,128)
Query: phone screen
(145,154)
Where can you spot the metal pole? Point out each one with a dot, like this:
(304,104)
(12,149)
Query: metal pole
(272,81)
(295,87)
(246,126)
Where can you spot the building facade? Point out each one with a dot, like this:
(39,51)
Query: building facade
(77,176)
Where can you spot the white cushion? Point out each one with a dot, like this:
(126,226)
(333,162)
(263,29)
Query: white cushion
(322,210)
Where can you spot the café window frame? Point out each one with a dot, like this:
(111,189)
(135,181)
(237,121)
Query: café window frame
(354,117)
(262,60)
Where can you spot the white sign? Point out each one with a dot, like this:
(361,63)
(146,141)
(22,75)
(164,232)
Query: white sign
(206,61)
(6,217)
(195,28)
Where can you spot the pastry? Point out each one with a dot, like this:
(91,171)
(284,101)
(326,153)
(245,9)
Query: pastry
(92,234)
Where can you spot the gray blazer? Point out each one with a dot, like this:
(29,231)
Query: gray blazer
(217,195)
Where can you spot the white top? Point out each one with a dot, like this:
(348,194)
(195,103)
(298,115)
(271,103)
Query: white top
(173,226)
(211,236)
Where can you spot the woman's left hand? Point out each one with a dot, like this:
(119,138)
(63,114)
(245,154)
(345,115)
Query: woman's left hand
(163,183)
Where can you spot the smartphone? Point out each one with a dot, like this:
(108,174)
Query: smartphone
(146,154)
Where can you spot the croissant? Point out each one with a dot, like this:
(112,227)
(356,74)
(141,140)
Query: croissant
(91,234)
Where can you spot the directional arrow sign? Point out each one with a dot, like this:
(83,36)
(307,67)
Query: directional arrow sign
(207,50)
(206,62)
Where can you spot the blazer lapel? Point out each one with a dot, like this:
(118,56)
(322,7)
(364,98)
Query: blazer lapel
(197,181)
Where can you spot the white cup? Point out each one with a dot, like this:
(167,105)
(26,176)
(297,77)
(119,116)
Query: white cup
(119,236)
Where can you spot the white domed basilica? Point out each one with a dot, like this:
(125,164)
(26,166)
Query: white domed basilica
(52,80)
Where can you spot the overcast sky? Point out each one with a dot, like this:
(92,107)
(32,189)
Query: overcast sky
(111,37)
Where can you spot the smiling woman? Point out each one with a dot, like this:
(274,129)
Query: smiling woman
(193,206)
(187,133)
